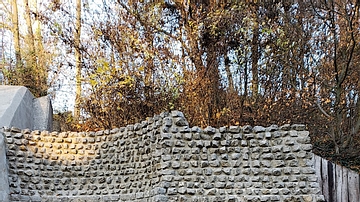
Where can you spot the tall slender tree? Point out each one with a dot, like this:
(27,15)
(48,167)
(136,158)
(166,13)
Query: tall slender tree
(78,59)
(16,33)
(29,79)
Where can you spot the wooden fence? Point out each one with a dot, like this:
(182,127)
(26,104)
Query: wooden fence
(337,183)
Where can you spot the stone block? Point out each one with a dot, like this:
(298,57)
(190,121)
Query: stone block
(210,130)
(180,121)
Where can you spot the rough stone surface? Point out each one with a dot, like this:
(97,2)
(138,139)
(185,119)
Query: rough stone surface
(19,108)
(161,160)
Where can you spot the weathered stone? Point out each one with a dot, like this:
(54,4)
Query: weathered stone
(184,129)
(181,121)
(167,121)
(190,191)
(249,136)
(285,127)
(234,129)
(205,137)
(177,114)
(175,164)
(247,129)
(196,129)
(272,128)
(223,129)
(298,127)
(15,130)
(166,136)
(210,130)
(217,136)
(306,147)
(238,136)
(258,129)
(263,143)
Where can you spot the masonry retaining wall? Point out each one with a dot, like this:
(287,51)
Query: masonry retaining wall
(163,159)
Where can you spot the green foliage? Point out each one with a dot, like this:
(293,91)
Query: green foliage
(105,76)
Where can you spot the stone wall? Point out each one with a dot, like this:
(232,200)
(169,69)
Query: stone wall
(162,159)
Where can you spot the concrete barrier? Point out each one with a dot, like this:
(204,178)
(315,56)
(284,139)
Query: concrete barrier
(43,113)
(20,109)
(4,176)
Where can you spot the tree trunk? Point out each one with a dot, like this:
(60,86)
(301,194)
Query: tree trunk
(229,75)
(29,27)
(255,58)
(40,53)
(77,60)
(30,81)
(15,32)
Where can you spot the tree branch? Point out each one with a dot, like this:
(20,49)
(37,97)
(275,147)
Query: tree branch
(322,110)
(344,71)
(158,29)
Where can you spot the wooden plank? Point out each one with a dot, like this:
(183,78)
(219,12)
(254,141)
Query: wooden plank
(325,179)
(331,181)
(339,183)
(353,186)
(344,185)
(317,167)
